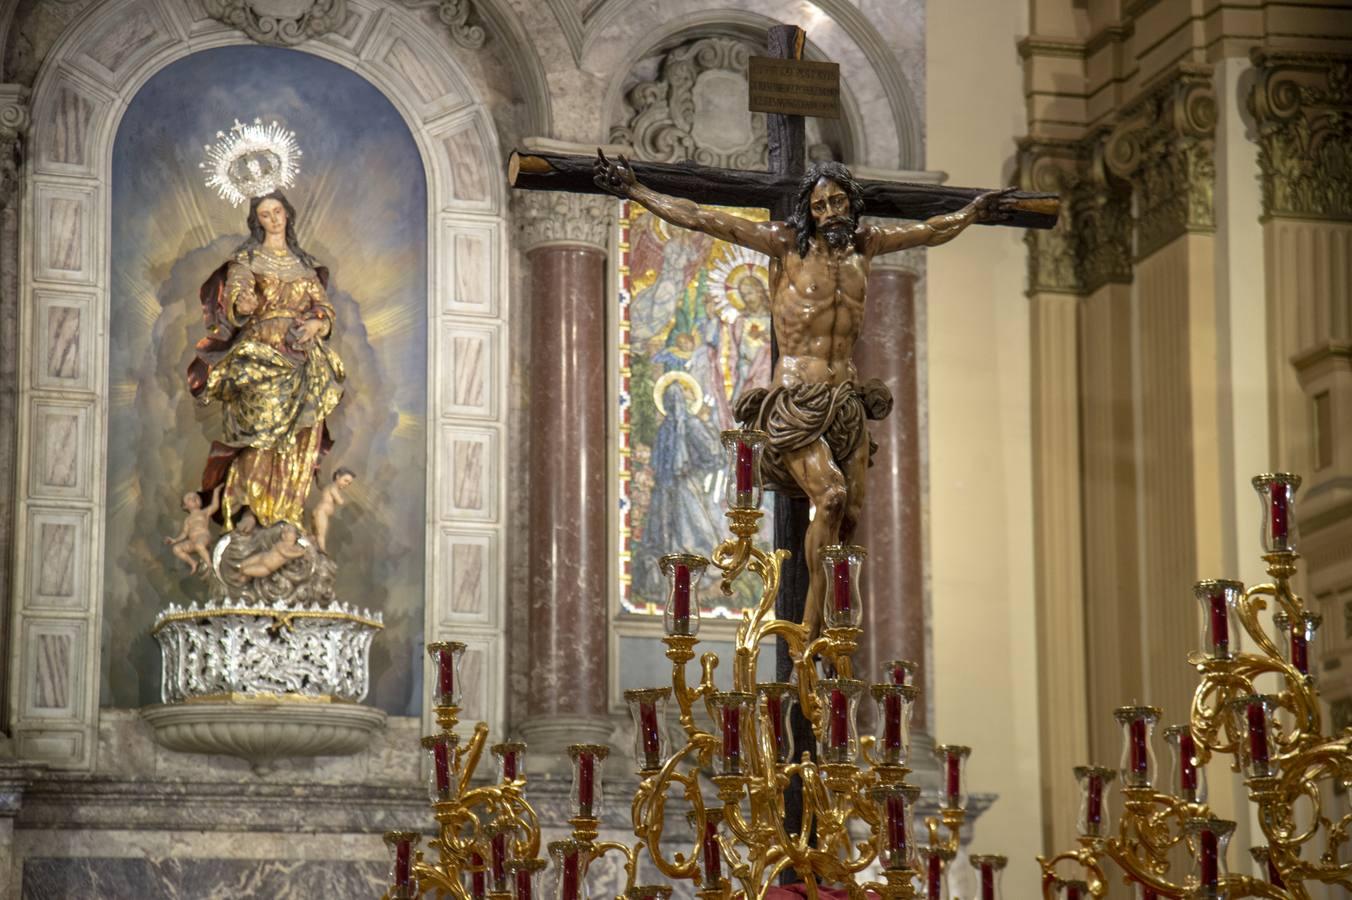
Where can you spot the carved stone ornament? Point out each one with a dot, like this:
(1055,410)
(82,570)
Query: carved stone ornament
(280,23)
(14,120)
(1165,146)
(548,217)
(696,109)
(456,15)
(1091,243)
(1303,106)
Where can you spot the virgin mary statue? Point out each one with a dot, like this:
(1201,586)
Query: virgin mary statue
(265,359)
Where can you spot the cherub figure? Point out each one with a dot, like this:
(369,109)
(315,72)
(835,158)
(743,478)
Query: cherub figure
(265,562)
(329,500)
(190,544)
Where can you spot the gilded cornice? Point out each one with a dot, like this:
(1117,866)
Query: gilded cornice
(14,119)
(1164,144)
(552,217)
(1302,103)
(1091,243)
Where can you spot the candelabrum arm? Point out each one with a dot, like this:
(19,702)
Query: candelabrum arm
(1086,857)
(648,811)
(470,760)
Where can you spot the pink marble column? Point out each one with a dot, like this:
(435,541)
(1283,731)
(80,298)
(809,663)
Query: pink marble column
(566,693)
(892,527)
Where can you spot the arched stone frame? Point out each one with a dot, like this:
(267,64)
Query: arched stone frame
(86,82)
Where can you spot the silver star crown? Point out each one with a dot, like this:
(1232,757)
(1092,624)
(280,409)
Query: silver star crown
(251,160)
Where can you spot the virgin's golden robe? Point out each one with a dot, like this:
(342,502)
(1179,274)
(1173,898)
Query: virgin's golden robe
(274,397)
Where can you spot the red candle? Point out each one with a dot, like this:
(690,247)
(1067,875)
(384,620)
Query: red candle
(987,882)
(1149,893)
(1280,524)
(732,738)
(1220,624)
(498,846)
(744,458)
(647,714)
(1187,763)
(403,863)
(1300,651)
(509,765)
(896,830)
(441,759)
(840,719)
(1274,877)
(1140,757)
(586,783)
(898,673)
(1093,812)
(953,779)
(713,860)
(892,722)
(446,673)
(1258,737)
(680,601)
(842,594)
(570,880)
(1209,859)
(1072,891)
(934,874)
(774,709)
(523,884)
(476,877)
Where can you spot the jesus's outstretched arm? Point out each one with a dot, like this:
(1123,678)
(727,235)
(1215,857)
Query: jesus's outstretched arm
(937,230)
(617,177)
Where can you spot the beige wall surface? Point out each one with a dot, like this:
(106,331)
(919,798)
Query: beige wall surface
(985,670)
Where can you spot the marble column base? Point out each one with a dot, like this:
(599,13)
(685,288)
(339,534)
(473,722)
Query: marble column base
(262,733)
(547,739)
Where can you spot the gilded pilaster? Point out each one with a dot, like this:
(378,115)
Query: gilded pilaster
(1302,108)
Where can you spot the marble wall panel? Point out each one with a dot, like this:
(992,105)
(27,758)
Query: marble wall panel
(109,54)
(469,382)
(53,745)
(467,280)
(469,463)
(59,461)
(471,172)
(200,879)
(63,145)
(54,653)
(62,341)
(57,565)
(63,250)
(470,568)
(419,70)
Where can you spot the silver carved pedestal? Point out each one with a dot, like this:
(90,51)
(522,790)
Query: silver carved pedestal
(265,682)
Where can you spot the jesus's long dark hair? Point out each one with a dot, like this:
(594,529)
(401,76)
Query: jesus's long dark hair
(803,224)
(257,234)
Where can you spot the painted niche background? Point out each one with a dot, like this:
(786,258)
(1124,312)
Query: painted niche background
(694,333)
(361,204)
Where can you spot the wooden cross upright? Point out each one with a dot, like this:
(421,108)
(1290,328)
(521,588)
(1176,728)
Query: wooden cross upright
(776,191)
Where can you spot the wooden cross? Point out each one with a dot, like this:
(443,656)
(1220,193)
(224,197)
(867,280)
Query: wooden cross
(776,190)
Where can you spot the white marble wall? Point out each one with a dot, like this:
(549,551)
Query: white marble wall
(90,73)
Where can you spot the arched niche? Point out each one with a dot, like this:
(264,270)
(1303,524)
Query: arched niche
(79,97)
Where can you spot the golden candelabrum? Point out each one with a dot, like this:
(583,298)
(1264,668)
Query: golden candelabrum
(1275,736)
(728,770)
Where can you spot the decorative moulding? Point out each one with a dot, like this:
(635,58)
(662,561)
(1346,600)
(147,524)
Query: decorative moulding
(281,23)
(262,731)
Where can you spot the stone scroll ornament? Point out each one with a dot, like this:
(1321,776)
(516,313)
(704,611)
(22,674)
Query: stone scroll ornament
(271,623)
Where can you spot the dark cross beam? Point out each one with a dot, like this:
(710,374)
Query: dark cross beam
(776,191)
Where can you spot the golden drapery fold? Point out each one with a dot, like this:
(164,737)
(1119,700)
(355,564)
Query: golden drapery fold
(274,395)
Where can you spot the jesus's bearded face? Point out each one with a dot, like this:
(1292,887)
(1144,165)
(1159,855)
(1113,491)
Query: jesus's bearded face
(831,214)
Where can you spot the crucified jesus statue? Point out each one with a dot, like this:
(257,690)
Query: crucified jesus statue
(815,407)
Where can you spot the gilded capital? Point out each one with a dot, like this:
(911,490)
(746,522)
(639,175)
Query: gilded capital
(1302,103)
(549,217)
(14,119)
(1091,243)
(1164,145)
